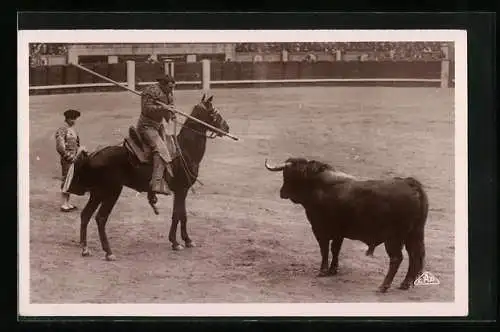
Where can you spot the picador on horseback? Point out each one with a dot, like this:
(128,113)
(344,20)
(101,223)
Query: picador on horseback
(105,172)
(153,133)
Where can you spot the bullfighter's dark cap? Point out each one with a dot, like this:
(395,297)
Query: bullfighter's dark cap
(165,78)
(72,114)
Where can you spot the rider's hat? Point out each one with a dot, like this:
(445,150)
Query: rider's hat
(165,79)
(72,114)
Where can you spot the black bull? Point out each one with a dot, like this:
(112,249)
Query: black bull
(390,211)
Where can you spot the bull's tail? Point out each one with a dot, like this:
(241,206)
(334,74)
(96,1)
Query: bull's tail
(424,200)
(415,242)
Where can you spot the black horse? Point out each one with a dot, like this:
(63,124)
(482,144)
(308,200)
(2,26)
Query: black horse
(105,172)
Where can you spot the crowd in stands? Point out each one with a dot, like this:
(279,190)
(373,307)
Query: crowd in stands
(367,50)
(48,49)
(378,50)
(38,50)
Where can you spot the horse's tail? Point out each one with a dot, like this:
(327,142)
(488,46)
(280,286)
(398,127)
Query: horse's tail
(76,182)
(85,167)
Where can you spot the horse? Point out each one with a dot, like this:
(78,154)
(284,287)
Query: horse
(105,172)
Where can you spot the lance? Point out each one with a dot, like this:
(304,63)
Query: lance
(157,101)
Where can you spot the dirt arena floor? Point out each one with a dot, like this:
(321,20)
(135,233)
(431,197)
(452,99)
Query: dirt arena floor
(252,246)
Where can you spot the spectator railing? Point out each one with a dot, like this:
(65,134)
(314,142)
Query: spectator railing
(204,75)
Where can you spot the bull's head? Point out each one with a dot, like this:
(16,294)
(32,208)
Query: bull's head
(293,183)
(277,168)
(303,180)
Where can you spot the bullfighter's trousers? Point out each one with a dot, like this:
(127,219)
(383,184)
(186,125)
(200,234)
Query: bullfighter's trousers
(65,165)
(162,148)
(158,141)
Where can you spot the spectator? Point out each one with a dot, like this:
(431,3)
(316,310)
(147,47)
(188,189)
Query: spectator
(257,58)
(310,58)
(378,50)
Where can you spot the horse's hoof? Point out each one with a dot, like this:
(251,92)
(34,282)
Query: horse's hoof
(110,258)
(382,289)
(404,286)
(323,274)
(177,247)
(331,273)
(190,244)
(85,252)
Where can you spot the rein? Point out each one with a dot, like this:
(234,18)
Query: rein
(184,163)
(211,136)
(177,145)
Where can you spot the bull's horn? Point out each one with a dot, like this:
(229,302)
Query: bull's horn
(274,168)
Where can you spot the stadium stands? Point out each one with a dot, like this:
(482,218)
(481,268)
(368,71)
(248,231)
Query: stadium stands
(37,50)
(48,49)
(376,50)
(371,51)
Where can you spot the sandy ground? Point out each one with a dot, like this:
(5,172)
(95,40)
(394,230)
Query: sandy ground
(252,246)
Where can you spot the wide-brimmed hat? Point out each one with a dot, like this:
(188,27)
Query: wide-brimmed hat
(165,78)
(72,114)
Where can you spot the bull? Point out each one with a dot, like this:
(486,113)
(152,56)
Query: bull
(391,211)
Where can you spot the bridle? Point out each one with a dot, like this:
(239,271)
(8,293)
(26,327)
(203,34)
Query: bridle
(212,135)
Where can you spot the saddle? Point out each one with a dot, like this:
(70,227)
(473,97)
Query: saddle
(135,145)
(138,148)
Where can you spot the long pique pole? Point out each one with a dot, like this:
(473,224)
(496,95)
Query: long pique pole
(157,101)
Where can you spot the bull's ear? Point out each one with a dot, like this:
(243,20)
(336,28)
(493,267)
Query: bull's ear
(209,100)
(203,98)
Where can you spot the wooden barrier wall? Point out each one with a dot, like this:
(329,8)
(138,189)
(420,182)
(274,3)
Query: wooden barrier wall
(146,72)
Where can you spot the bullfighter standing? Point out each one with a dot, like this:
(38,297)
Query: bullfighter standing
(67,145)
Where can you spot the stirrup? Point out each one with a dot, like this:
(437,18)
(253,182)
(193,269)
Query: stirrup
(152,199)
(161,188)
(163,192)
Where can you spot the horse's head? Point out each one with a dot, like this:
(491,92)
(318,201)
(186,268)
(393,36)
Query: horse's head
(206,112)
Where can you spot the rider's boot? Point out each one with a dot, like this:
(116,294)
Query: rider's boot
(158,184)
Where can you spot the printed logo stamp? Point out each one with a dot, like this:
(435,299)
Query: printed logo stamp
(426,278)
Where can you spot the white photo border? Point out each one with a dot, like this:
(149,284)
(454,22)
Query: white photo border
(459,307)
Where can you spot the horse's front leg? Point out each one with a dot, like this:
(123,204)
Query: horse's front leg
(184,235)
(183,218)
(176,217)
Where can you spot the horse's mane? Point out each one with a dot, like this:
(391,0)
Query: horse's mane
(198,106)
